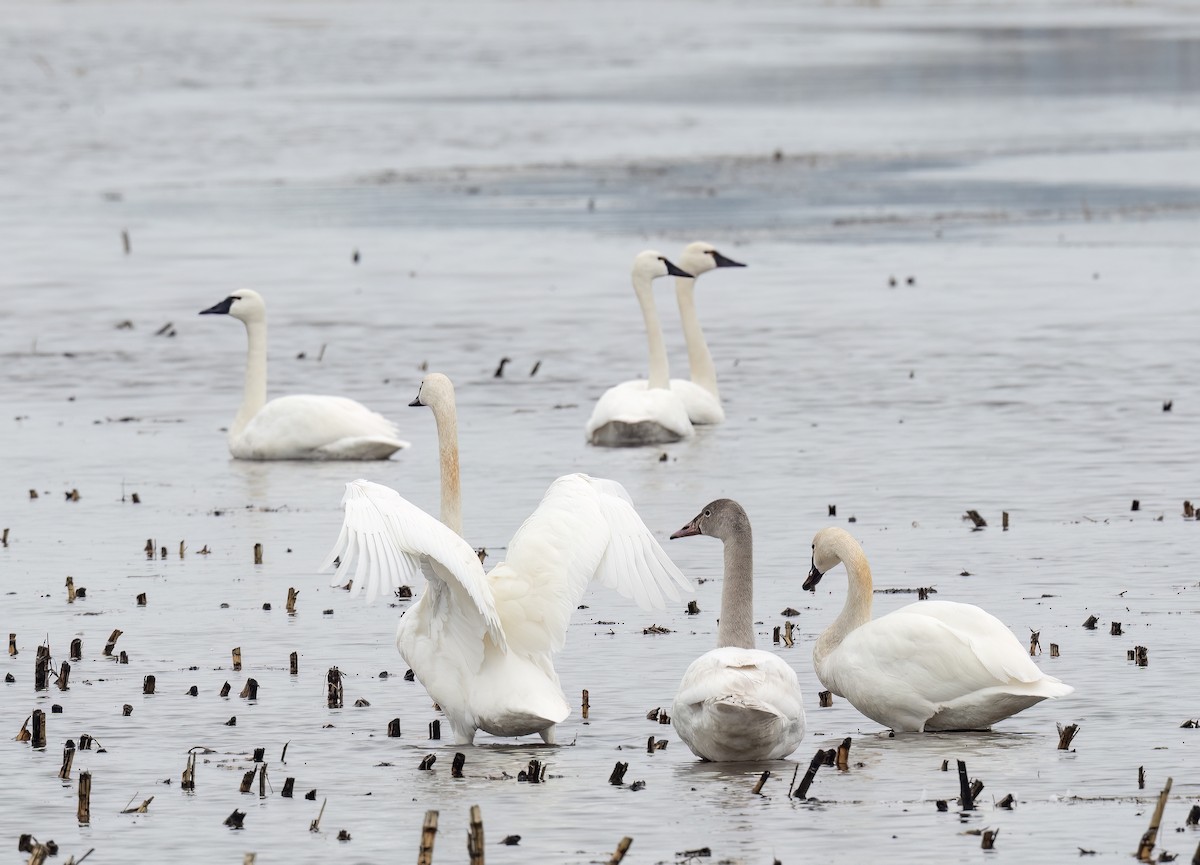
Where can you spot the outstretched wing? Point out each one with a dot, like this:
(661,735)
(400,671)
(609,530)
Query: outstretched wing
(386,540)
(584,529)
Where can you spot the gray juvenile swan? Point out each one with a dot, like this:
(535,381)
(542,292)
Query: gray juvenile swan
(736,702)
(933,665)
(301,427)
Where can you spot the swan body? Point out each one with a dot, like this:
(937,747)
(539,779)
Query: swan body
(932,665)
(482,644)
(736,702)
(302,427)
(701,398)
(651,413)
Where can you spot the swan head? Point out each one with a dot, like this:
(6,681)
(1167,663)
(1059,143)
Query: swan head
(722,518)
(650,264)
(701,257)
(436,390)
(827,551)
(245,304)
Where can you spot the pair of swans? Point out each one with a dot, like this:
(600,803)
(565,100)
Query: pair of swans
(929,666)
(483,644)
(301,427)
(661,409)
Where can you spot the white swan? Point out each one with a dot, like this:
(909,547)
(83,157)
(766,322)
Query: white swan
(736,702)
(700,395)
(302,427)
(933,665)
(649,413)
(483,644)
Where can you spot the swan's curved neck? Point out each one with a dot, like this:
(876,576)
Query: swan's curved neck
(660,371)
(255,395)
(446,417)
(736,627)
(700,362)
(857,611)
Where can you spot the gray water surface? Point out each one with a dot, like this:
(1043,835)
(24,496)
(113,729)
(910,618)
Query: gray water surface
(1031,168)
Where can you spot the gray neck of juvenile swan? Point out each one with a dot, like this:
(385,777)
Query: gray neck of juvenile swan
(660,371)
(255,395)
(700,361)
(446,416)
(857,611)
(736,627)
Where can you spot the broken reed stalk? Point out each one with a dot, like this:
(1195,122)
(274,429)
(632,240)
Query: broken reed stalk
(1004,521)
(622,849)
(12,645)
(1141,777)
(294,664)
(762,779)
(393,728)
(1054,650)
(225,689)
(258,554)
(237,658)
(64,676)
(965,799)
(68,759)
(148,685)
(112,642)
(71,593)
(586,705)
(247,780)
(291,601)
(1151,835)
(1035,646)
(315,825)
(334,694)
(250,690)
(84,812)
(825,698)
(289,785)
(77,649)
(188,780)
(975,518)
(427,762)
(141,599)
(617,778)
(788,639)
(41,669)
(1065,735)
(456,766)
(262,781)
(39,729)
(843,755)
(435,730)
(428,834)
(813,766)
(989,838)
(475,837)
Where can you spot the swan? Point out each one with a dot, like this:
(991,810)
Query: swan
(933,665)
(483,644)
(736,702)
(301,427)
(650,412)
(700,395)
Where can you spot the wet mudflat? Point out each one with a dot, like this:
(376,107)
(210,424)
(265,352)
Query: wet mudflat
(1027,169)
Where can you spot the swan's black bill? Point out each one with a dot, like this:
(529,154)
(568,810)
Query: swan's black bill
(722,261)
(814,577)
(675,270)
(416,402)
(221,308)
(687,531)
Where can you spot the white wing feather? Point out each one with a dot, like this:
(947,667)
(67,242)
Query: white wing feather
(584,529)
(384,540)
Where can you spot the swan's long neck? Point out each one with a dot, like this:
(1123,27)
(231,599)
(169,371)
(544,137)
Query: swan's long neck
(446,417)
(255,395)
(857,611)
(700,361)
(660,371)
(737,593)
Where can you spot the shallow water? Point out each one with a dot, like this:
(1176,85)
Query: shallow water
(1028,167)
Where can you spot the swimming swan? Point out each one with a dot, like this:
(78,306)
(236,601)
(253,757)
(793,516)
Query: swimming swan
(700,395)
(736,702)
(933,665)
(483,644)
(303,427)
(648,413)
